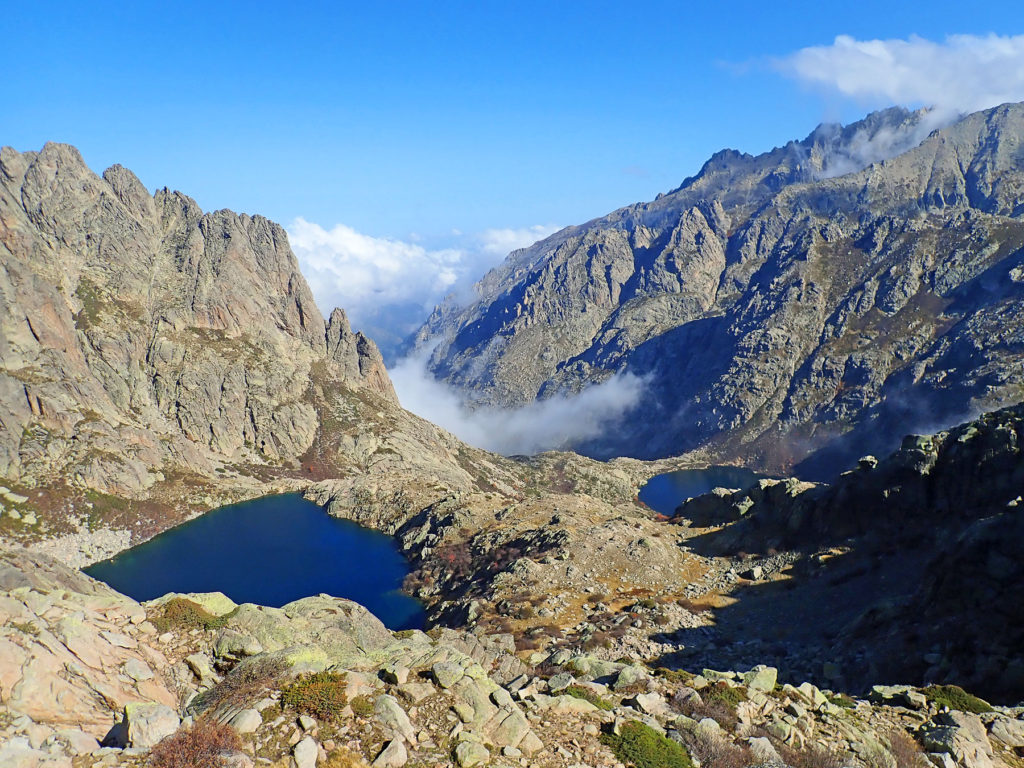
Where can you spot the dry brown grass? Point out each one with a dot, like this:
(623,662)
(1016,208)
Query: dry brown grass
(248,682)
(904,749)
(812,756)
(203,745)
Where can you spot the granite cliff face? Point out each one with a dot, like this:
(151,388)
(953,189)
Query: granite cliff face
(156,361)
(136,320)
(774,306)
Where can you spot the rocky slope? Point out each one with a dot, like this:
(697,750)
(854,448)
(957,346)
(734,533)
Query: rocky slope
(776,309)
(156,361)
(906,567)
(89,677)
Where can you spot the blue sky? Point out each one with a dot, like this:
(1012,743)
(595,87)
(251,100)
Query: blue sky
(405,121)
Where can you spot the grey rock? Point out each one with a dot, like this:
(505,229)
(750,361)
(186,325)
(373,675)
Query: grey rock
(147,724)
(1009,732)
(469,754)
(305,753)
(761,678)
(247,721)
(394,755)
(394,719)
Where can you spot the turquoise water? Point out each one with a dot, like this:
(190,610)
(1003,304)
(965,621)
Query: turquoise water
(663,493)
(269,551)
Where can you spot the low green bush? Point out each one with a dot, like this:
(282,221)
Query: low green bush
(841,700)
(321,695)
(179,613)
(640,746)
(362,706)
(579,692)
(724,693)
(955,697)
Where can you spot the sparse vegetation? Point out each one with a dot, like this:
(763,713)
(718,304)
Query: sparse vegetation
(841,700)
(362,706)
(726,694)
(640,746)
(718,752)
(179,613)
(955,697)
(579,692)
(904,749)
(246,683)
(812,756)
(321,695)
(203,745)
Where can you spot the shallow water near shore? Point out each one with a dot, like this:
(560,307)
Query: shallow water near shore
(269,551)
(663,493)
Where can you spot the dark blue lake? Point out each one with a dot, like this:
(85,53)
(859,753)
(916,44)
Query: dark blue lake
(663,493)
(269,551)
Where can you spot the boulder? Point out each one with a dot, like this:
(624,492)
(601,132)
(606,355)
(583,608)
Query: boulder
(147,724)
(1009,732)
(961,735)
(305,753)
(394,755)
(469,754)
(247,721)
(761,678)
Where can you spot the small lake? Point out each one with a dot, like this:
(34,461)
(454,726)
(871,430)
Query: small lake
(270,551)
(663,493)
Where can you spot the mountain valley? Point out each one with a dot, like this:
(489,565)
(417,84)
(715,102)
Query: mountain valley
(157,361)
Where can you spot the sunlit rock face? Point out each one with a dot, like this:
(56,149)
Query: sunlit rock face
(814,297)
(140,333)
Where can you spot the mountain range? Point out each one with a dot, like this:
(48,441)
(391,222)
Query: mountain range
(782,311)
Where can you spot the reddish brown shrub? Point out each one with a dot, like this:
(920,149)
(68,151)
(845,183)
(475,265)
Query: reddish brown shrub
(203,745)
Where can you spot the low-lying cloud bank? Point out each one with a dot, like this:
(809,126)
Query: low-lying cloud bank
(387,286)
(964,72)
(555,423)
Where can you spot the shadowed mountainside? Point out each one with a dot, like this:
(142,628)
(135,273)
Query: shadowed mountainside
(775,312)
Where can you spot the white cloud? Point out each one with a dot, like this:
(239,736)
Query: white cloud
(388,286)
(964,72)
(502,242)
(554,423)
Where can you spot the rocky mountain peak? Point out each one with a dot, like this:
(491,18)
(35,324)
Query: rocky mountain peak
(834,287)
(139,319)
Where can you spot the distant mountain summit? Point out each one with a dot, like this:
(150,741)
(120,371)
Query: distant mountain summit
(828,295)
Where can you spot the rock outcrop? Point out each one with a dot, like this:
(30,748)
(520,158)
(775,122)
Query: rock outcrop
(88,677)
(774,312)
(907,566)
(157,361)
(140,332)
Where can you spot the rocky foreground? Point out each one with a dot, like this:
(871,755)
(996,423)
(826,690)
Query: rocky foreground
(90,677)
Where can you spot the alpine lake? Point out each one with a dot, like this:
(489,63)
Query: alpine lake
(663,493)
(269,551)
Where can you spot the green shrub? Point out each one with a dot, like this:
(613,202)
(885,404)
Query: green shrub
(640,746)
(179,613)
(841,700)
(362,706)
(321,695)
(725,694)
(955,697)
(677,676)
(579,692)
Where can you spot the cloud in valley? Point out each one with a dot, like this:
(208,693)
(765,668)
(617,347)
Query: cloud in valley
(557,422)
(964,72)
(388,286)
